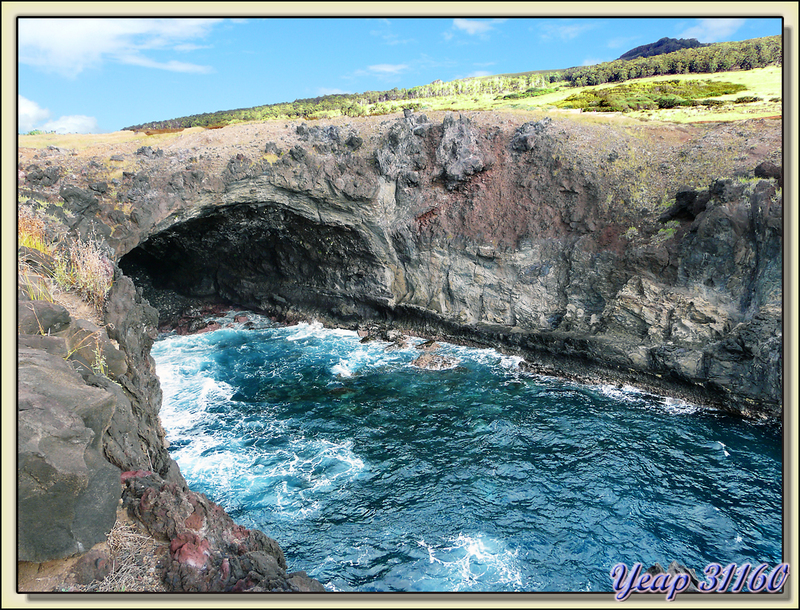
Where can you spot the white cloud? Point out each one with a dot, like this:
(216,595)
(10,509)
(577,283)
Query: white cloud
(565,31)
(186,48)
(478,73)
(329,91)
(387,35)
(387,68)
(472,27)
(172,65)
(29,114)
(70,45)
(76,123)
(713,30)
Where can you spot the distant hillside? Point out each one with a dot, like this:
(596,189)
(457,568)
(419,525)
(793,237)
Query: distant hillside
(665,45)
(656,59)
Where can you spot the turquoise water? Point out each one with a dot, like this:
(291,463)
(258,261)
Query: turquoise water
(374,475)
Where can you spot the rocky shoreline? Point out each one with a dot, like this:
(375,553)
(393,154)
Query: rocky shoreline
(641,255)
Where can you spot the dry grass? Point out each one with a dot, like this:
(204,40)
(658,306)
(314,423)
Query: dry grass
(135,557)
(31,231)
(86,270)
(135,561)
(135,564)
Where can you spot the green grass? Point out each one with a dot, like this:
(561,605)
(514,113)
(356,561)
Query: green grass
(764,83)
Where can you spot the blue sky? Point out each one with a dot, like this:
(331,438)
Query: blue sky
(92,75)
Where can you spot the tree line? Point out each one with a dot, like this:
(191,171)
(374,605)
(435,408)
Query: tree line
(719,57)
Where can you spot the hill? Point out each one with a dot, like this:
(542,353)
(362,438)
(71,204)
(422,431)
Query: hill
(665,45)
(500,91)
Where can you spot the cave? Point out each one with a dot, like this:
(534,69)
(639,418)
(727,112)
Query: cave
(260,257)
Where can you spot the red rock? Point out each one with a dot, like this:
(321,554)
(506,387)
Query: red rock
(133,473)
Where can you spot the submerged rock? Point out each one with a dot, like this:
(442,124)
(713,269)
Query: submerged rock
(435,362)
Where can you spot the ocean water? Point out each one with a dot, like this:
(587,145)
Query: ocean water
(374,475)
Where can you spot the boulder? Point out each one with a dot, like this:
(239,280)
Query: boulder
(770,171)
(67,493)
(525,136)
(41,317)
(78,200)
(38,177)
(459,152)
(435,362)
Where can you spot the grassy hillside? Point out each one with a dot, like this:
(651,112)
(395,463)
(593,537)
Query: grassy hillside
(763,83)
(526,90)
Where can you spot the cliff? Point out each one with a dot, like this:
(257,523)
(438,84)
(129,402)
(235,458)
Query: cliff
(598,249)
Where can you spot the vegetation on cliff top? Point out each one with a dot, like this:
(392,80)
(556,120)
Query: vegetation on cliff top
(654,94)
(499,91)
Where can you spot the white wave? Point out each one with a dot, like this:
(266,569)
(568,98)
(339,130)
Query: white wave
(341,369)
(511,362)
(622,393)
(677,406)
(305,330)
(476,560)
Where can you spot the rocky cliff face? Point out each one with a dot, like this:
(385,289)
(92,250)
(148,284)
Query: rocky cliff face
(643,254)
(592,249)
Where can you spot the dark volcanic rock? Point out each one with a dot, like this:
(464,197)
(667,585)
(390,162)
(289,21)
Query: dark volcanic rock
(135,437)
(149,153)
(525,136)
(769,171)
(79,201)
(441,228)
(434,362)
(38,177)
(67,492)
(688,205)
(459,153)
(42,317)
(544,240)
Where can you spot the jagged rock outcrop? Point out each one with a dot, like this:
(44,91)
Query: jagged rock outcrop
(208,551)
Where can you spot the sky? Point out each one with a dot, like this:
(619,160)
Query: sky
(98,75)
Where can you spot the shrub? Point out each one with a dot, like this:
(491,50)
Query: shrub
(31,231)
(745,99)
